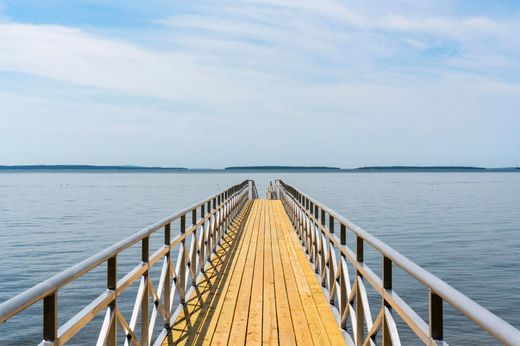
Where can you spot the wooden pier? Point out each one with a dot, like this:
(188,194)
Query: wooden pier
(260,288)
(237,270)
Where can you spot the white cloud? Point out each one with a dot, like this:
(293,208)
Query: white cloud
(446,25)
(369,79)
(74,56)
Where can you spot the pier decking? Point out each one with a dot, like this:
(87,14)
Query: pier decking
(260,288)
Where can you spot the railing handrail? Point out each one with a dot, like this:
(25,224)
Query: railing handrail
(494,325)
(36,293)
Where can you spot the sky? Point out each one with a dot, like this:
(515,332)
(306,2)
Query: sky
(260,82)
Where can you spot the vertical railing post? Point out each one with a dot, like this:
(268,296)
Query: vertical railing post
(387,285)
(215,226)
(387,273)
(230,208)
(205,230)
(343,283)
(307,226)
(299,216)
(359,249)
(182,266)
(112,285)
(167,275)
(211,224)
(343,234)
(291,203)
(50,318)
(323,253)
(317,240)
(208,231)
(360,314)
(226,211)
(193,260)
(204,241)
(222,215)
(295,209)
(314,238)
(436,323)
(219,233)
(221,210)
(145,257)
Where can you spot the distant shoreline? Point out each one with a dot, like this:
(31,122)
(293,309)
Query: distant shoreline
(282,168)
(238,169)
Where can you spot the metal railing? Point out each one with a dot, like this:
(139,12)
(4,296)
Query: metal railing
(209,221)
(329,255)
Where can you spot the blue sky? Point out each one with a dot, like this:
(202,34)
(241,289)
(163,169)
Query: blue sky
(211,84)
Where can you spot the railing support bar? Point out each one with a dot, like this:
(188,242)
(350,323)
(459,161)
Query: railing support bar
(50,318)
(144,307)
(436,319)
(167,284)
(112,285)
(387,285)
(360,313)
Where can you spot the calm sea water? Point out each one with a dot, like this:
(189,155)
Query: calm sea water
(463,227)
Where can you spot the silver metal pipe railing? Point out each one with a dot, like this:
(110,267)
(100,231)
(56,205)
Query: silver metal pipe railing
(322,244)
(210,219)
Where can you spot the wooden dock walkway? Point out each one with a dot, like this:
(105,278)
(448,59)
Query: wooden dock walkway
(260,288)
(234,270)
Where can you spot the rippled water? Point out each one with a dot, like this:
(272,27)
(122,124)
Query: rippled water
(463,227)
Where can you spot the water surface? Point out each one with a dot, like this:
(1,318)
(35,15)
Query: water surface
(463,227)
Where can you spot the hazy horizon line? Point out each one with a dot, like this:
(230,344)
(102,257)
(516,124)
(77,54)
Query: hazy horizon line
(248,167)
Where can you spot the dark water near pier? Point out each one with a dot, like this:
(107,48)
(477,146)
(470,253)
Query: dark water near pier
(463,227)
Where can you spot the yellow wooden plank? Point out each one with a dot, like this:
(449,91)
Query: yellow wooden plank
(225,319)
(254,322)
(319,334)
(324,312)
(212,310)
(328,320)
(241,309)
(188,325)
(283,313)
(301,326)
(269,323)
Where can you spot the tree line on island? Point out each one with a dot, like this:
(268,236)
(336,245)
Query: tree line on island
(128,168)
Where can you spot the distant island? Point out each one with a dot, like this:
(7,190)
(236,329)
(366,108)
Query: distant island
(315,169)
(87,168)
(420,168)
(284,168)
